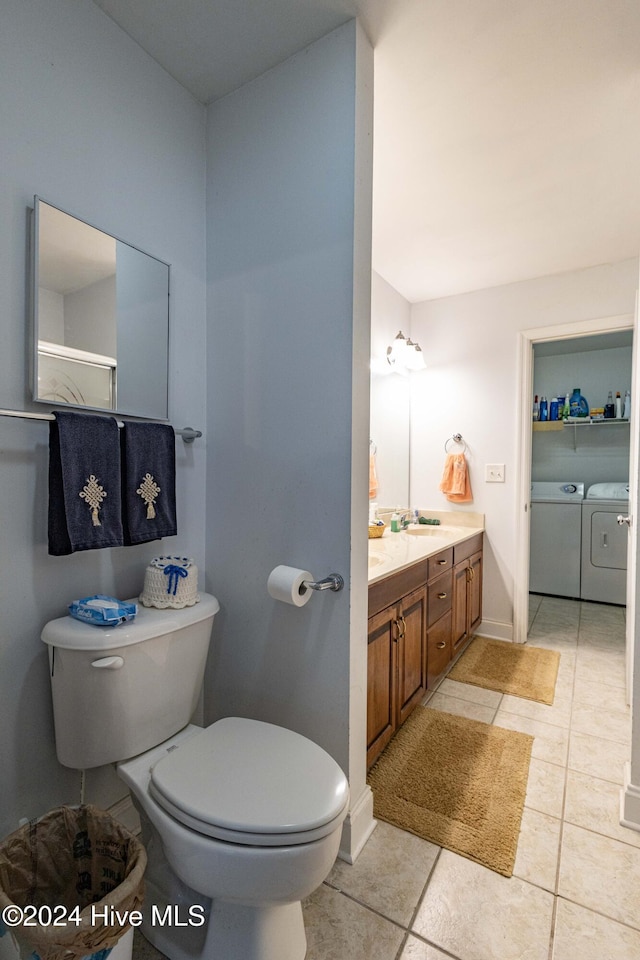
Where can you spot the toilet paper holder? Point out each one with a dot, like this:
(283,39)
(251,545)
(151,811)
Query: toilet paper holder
(333,582)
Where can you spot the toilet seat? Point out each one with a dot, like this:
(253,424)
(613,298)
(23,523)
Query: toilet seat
(250,782)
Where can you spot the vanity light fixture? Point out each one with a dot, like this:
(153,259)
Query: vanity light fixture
(404,355)
(414,359)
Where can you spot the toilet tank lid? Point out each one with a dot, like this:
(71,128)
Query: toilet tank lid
(71,634)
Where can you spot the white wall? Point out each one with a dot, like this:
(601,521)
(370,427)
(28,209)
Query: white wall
(50,315)
(471,386)
(84,318)
(289,315)
(390,395)
(91,123)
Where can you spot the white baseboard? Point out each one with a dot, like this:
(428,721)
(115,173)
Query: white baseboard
(495,630)
(358,827)
(630,801)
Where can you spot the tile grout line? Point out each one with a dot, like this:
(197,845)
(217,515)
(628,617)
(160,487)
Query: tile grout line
(418,936)
(554,914)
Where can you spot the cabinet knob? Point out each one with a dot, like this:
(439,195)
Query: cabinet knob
(442,596)
(442,562)
(441,645)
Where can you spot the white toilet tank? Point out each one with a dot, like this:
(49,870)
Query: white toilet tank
(118,691)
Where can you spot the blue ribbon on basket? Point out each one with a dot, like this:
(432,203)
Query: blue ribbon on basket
(174,573)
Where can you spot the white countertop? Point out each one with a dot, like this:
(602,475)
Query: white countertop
(395,551)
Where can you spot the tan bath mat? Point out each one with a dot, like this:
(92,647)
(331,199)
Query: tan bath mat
(457,782)
(515,668)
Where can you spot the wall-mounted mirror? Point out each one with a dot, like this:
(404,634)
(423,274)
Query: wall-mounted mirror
(100,318)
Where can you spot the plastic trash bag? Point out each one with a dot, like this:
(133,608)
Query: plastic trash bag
(74,862)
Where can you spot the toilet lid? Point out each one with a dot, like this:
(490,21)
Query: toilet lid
(251,782)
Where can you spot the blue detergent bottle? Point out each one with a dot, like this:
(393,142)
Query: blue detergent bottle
(578,406)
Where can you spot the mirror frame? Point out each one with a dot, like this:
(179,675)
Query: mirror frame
(34,338)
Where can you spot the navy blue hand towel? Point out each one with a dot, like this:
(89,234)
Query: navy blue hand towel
(84,483)
(148,482)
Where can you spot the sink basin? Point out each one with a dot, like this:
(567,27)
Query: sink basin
(374,561)
(426,530)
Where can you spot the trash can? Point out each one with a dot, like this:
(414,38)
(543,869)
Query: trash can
(71,884)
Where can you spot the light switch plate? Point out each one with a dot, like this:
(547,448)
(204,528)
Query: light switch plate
(494,473)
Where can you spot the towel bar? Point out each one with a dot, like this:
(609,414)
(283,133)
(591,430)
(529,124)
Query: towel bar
(456,438)
(188,434)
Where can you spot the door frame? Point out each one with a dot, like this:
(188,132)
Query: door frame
(527,339)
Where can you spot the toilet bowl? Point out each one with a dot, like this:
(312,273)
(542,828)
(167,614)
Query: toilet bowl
(241,820)
(255,837)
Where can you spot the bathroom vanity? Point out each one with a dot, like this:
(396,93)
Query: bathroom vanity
(425,603)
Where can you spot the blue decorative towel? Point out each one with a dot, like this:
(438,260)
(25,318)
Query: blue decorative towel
(84,483)
(148,482)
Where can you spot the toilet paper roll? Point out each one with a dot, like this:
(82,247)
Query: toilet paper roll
(287,584)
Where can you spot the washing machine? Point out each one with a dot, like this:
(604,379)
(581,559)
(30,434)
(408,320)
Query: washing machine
(555,537)
(604,543)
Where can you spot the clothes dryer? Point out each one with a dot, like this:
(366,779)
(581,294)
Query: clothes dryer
(604,543)
(555,536)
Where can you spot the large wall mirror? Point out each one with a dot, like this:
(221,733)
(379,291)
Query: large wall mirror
(100,318)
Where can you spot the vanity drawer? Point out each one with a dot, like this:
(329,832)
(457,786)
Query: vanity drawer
(395,586)
(439,597)
(467,548)
(438,648)
(439,563)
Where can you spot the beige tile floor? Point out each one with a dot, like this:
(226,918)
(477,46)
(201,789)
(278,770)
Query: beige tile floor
(575,892)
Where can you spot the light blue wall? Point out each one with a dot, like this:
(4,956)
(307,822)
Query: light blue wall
(281,224)
(92,124)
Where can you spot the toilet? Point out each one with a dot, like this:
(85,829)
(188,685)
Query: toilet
(241,820)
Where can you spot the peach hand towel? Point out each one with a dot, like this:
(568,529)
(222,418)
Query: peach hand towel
(373,477)
(455,483)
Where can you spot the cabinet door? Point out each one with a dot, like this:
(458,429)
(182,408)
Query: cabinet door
(381,681)
(475,591)
(412,652)
(460,627)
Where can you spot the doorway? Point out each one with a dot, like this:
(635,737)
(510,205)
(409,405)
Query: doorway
(577,549)
(528,339)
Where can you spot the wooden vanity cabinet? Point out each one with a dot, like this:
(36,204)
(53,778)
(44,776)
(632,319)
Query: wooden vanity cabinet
(467,591)
(419,619)
(397,654)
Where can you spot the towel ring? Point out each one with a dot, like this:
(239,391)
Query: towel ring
(456,438)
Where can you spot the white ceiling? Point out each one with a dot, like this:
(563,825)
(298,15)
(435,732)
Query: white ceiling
(507,132)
